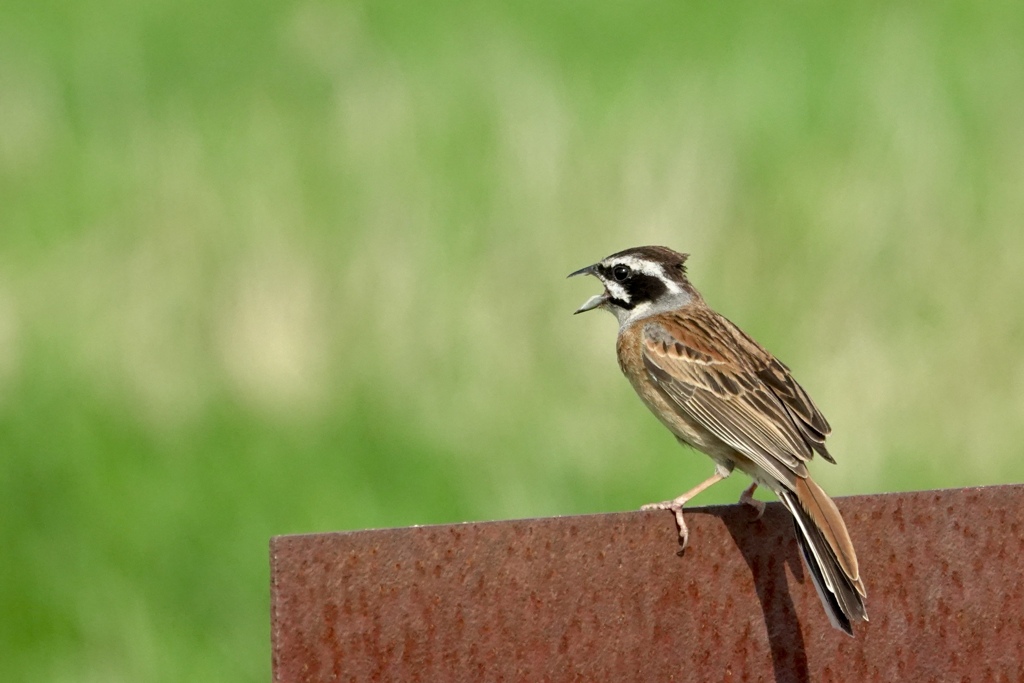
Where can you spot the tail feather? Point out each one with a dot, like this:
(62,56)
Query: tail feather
(828,553)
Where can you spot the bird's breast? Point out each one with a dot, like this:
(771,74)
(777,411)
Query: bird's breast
(629,349)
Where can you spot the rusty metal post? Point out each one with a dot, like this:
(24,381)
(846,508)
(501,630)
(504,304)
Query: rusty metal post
(606,598)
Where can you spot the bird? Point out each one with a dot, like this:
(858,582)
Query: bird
(720,392)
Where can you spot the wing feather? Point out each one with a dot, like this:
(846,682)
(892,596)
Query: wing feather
(736,389)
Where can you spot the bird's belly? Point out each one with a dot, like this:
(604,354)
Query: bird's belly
(685,428)
(681,425)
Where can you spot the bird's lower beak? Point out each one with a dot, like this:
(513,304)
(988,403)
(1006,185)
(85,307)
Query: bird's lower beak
(594,301)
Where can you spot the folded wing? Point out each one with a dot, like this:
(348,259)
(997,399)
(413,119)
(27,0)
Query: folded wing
(749,400)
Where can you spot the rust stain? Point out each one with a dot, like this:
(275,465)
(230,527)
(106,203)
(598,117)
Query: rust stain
(606,598)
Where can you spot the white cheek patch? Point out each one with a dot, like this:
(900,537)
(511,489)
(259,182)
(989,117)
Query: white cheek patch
(617,291)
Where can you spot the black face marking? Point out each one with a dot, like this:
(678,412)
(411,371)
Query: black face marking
(643,287)
(621,304)
(640,287)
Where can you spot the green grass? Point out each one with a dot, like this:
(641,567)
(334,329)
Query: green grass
(279,267)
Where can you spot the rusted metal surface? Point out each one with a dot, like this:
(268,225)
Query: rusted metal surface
(606,598)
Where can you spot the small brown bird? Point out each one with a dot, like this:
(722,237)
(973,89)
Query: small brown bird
(721,392)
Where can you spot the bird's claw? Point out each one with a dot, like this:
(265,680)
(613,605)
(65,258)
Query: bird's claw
(676,508)
(747,498)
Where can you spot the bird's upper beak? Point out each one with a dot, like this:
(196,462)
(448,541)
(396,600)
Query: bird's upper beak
(594,301)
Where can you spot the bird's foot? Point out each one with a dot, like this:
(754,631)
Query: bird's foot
(676,507)
(747,498)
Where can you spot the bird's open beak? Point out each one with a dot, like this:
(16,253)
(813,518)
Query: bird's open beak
(594,301)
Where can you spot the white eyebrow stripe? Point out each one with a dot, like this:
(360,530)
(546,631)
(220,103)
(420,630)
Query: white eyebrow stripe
(639,265)
(672,285)
(647,268)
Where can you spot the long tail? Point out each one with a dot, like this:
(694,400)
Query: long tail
(828,553)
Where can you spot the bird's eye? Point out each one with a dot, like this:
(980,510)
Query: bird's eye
(621,272)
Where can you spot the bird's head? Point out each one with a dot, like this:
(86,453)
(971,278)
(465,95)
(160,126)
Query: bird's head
(639,282)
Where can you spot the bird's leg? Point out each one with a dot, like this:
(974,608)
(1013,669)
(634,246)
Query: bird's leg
(676,504)
(747,498)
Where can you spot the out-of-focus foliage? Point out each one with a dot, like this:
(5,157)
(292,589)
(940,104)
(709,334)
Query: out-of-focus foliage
(282,267)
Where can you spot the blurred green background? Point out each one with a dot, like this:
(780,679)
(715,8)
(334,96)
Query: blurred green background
(293,266)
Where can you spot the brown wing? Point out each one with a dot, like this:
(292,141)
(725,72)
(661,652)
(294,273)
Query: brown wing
(798,404)
(727,382)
